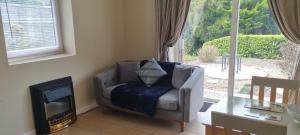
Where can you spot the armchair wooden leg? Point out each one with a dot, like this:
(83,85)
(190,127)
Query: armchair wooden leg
(182,126)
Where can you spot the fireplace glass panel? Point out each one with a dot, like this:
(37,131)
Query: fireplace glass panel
(57,107)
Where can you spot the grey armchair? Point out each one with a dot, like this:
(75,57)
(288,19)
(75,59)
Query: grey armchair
(177,105)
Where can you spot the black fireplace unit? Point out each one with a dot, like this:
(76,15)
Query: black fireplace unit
(53,105)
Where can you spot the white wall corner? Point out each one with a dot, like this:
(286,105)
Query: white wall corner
(86,108)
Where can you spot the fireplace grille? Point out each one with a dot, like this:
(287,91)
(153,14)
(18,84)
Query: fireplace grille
(61,122)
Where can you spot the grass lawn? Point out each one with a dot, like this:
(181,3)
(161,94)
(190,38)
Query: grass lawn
(188,57)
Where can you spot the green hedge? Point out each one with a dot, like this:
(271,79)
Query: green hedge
(252,46)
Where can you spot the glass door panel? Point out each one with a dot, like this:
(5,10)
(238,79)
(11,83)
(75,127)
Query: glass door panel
(262,50)
(206,43)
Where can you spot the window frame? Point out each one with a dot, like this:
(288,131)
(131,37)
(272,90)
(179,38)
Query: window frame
(233,46)
(42,51)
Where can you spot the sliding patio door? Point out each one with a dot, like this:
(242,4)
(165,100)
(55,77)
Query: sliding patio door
(209,21)
(234,40)
(261,49)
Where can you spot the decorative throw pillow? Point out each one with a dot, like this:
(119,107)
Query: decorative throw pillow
(180,74)
(166,66)
(127,70)
(151,72)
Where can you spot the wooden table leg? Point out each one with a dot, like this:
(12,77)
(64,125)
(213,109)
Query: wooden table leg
(182,126)
(208,130)
(228,131)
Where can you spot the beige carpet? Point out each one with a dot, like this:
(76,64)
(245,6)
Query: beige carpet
(110,122)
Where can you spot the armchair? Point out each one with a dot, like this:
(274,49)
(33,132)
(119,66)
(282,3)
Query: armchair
(180,105)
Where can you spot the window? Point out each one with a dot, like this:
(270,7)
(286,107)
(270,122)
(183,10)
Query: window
(31,27)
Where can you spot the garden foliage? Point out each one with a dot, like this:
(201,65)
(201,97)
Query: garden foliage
(212,19)
(252,46)
(208,53)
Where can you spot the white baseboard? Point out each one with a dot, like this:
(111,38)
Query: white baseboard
(86,108)
(31,132)
(78,111)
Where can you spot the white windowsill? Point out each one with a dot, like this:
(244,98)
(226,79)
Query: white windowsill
(17,61)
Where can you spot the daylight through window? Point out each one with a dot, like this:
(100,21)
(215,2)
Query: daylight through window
(30,27)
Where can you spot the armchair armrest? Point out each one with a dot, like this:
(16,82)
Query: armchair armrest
(104,80)
(191,95)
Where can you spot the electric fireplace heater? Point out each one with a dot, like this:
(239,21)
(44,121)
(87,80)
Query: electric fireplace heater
(53,105)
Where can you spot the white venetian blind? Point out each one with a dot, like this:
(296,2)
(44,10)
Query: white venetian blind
(30,26)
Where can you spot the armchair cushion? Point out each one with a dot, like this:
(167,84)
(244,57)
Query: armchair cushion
(138,97)
(169,101)
(127,71)
(107,91)
(180,74)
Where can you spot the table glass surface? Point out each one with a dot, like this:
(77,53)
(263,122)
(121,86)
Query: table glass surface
(235,107)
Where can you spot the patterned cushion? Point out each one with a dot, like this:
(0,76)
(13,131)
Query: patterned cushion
(151,72)
(166,66)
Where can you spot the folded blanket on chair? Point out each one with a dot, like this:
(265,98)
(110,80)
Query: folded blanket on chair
(138,97)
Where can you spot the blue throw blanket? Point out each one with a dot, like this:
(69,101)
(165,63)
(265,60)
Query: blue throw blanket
(138,97)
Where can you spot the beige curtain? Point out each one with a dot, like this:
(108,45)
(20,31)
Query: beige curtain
(170,20)
(287,15)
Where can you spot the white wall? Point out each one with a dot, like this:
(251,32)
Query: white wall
(140,28)
(106,31)
(99,37)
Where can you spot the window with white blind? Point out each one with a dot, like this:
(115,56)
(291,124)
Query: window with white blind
(31,27)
